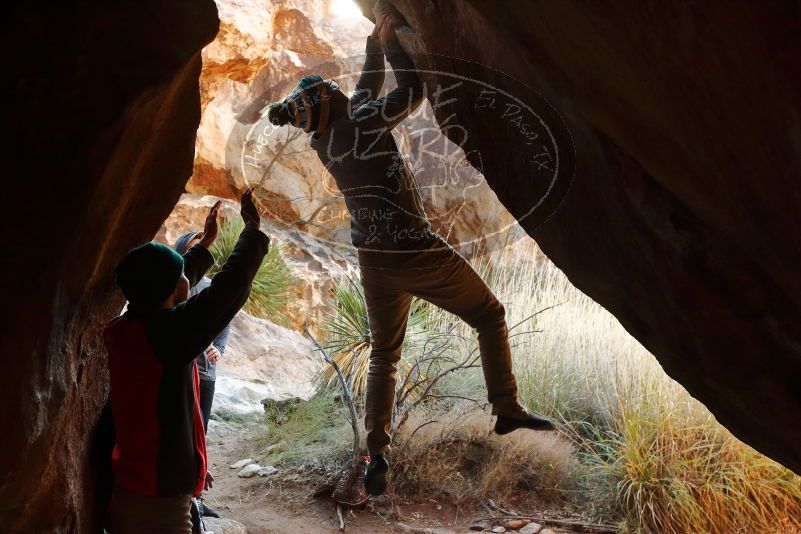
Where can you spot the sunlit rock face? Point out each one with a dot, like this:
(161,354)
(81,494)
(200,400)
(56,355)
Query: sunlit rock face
(682,215)
(315,265)
(262,50)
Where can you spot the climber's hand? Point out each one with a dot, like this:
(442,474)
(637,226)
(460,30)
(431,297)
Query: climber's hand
(209,233)
(388,29)
(387,20)
(249,212)
(376,29)
(209,481)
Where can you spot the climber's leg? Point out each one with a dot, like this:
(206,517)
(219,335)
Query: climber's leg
(454,286)
(387,312)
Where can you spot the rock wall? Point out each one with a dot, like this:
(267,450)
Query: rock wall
(262,50)
(103,108)
(683,217)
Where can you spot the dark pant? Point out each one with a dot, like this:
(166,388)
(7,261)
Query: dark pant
(132,513)
(446,280)
(206,398)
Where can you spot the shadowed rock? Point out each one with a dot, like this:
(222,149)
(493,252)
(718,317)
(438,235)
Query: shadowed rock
(684,214)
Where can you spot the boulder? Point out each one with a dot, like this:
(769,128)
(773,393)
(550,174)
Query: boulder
(104,106)
(273,361)
(267,470)
(673,199)
(531,528)
(242,463)
(516,524)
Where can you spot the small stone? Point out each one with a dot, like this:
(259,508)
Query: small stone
(223,526)
(267,470)
(499,529)
(481,525)
(531,528)
(516,524)
(242,463)
(275,446)
(249,471)
(547,531)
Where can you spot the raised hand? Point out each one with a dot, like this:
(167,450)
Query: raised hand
(213,353)
(249,212)
(387,20)
(211,227)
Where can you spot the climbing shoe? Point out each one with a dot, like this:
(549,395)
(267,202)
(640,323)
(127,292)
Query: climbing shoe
(521,418)
(375,480)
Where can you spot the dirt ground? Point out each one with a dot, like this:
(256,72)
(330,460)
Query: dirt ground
(282,502)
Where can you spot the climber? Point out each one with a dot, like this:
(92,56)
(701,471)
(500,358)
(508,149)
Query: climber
(399,256)
(160,456)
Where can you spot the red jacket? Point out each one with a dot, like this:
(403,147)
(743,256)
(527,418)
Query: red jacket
(161,445)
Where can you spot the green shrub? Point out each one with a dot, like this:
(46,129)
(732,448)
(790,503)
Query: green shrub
(313,432)
(347,337)
(270,291)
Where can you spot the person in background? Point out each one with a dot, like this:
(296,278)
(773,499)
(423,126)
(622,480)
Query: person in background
(206,360)
(159,459)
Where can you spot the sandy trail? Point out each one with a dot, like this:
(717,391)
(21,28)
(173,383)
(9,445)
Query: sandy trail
(276,503)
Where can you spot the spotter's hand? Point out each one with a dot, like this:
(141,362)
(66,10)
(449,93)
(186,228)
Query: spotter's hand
(211,227)
(249,212)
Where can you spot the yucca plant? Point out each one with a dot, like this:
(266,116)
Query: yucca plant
(348,336)
(270,290)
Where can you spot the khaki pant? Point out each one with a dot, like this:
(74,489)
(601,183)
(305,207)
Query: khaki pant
(132,513)
(446,280)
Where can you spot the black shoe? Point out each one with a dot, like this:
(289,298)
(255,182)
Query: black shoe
(207,511)
(375,480)
(522,418)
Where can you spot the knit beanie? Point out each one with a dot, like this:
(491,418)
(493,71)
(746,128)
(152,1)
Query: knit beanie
(181,244)
(308,104)
(149,274)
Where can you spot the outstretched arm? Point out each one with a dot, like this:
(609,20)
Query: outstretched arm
(372,77)
(192,326)
(387,112)
(197,259)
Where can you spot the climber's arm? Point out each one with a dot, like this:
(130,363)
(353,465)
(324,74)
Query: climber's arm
(372,77)
(387,112)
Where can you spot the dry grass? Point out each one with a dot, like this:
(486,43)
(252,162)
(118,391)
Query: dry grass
(650,451)
(459,460)
(633,446)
